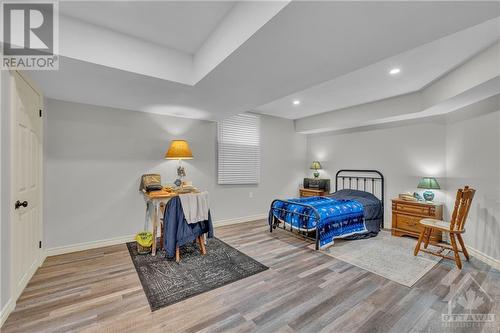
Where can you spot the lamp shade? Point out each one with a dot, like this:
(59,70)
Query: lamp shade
(315,165)
(429,183)
(178,150)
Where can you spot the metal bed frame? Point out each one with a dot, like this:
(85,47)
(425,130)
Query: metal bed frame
(340,177)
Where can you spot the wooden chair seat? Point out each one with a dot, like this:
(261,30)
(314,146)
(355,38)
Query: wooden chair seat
(455,228)
(440,225)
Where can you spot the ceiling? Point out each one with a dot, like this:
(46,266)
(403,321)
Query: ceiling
(328,54)
(418,67)
(183,26)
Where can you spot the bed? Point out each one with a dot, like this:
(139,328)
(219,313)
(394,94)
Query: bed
(355,210)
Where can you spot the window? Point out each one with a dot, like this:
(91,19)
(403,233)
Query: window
(239,150)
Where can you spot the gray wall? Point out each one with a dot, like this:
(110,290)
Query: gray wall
(5,209)
(473,158)
(94,157)
(403,154)
(460,149)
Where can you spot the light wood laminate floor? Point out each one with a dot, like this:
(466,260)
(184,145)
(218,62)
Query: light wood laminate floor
(303,291)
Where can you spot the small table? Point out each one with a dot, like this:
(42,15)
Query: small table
(155,198)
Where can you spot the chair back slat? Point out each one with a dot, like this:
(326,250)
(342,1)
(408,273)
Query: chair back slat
(468,196)
(455,208)
(463,203)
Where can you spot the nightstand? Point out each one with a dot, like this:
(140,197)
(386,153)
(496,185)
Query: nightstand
(407,214)
(311,192)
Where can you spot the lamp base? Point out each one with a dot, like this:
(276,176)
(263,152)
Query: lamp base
(428,195)
(316,174)
(181,172)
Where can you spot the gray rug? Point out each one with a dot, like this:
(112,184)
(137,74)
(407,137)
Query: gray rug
(165,282)
(387,256)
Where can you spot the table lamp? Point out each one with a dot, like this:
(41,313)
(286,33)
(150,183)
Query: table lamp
(429,183)
(315,166)
(179,150)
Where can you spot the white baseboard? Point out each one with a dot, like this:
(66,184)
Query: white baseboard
(7,309)
(123,239)
(11,303)
(240,219)
(495,263)
(89,245)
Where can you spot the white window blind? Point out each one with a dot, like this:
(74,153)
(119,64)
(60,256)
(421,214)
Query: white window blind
(239,150)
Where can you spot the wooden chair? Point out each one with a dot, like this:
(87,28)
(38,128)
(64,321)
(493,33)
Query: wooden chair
(455,228)
(201,244)
(200,240)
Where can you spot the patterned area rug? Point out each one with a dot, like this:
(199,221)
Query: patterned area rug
(165,282)
(387,256)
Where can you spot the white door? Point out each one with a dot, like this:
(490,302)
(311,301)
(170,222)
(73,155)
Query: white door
(26,181)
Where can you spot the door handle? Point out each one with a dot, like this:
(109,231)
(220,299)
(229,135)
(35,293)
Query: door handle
(20,204)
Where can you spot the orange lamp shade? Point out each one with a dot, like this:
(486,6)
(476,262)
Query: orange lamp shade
(178,150)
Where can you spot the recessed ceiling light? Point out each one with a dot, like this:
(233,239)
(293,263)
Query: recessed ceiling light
(395,71)
(296,102)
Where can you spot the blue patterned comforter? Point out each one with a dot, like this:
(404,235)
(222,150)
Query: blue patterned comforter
(338,218)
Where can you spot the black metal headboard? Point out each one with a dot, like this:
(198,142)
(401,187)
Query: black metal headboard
(363,180)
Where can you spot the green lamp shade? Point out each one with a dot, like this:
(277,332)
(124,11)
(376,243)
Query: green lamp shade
(315,165)
(429,183)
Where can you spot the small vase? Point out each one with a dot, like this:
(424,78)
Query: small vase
(428,195)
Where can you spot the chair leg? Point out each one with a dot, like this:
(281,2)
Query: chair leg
(177,254)
(464,250)
(201,243)
(427,237)
(420,238)
(455,250)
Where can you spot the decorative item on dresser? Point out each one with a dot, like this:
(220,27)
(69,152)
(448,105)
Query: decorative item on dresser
(315,166)
(315,187)
(429,183)
(406,216)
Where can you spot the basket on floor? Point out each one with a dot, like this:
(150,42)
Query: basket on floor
(144,242)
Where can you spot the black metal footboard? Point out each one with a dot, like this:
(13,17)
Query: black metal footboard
(274,222)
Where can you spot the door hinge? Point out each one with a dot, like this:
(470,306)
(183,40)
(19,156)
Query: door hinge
(39,244)
(40,113)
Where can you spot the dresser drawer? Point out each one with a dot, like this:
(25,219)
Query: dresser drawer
(408,222)
(311,193)
(410,209)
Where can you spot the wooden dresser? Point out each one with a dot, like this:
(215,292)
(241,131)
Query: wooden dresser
(407,214)
(311,192)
